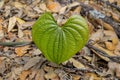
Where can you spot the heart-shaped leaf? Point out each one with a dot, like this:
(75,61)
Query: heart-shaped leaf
(58,44)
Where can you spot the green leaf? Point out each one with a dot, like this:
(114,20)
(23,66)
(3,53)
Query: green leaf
(58,44)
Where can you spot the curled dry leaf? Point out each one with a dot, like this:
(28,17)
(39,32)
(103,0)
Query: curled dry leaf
(12,22)
(20,51)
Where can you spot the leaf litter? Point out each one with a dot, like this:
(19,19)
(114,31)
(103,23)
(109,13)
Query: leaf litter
(95,62)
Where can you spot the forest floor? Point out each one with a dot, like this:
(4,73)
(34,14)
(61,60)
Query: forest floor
(98,60)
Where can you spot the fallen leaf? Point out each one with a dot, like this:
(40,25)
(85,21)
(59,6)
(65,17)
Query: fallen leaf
(20,21)
(33,61)
(53,6)
(117,49)
(97,36)
(118,70)
(77,10)
(20,32)
(1,30)
(48,69)
(1,3)
(20,51)
(24,74)
(18,5)
(114,69)
(103,49)
(74,4)
(40,75)
(37,9)
(115,41)
(51,75)
(93,76)
(43,7)
(110,46)
(115,16)
(103,57)
(12,22)
(76,63)
(76,77)
(63,10)
(37,52)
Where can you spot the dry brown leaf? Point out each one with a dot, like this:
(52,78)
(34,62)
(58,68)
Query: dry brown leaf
(103,57)
(111,1)
(43,7)
(90,27)
(117,49)
(24,74)
(110,34)
(110,46)
(53,6)
(48,69)
(97,36)
(73,4)
(12,22)
(115,16)
(114,69)
(40,75)
(93,76)
(1,30)
(76,77)
(1,3)
(33,61)
(18,5)
(20,51)
(77,10)
(118,70)
(115,41)
(63,10)
(112,37)
(20,32)
(20,21)
(76,63)
(105,50)
(105,25)
(51,75)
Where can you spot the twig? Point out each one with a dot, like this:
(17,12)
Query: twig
(87,11)
(14,44)
(103,53)
(110,4)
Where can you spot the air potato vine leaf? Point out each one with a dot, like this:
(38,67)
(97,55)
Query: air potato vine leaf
(59,43)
